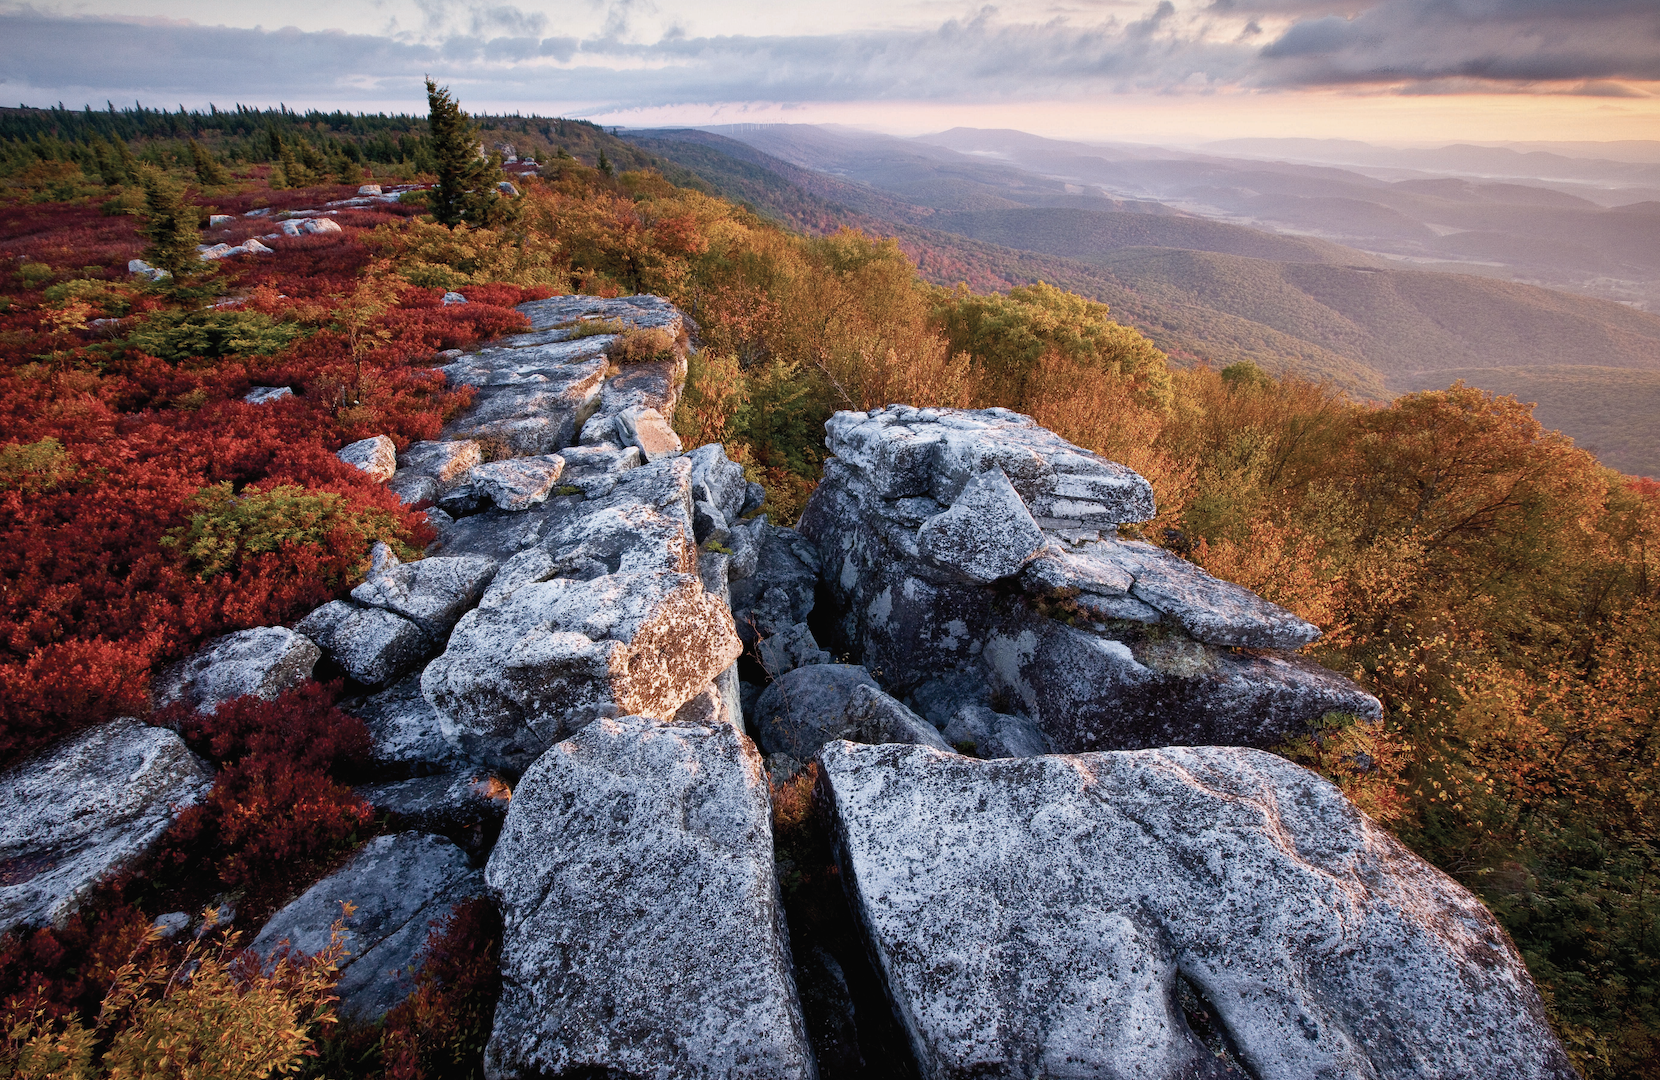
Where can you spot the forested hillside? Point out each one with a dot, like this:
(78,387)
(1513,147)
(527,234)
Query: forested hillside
(1205,289)
(1493,584)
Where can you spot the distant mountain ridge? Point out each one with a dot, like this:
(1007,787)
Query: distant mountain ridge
(1214,290)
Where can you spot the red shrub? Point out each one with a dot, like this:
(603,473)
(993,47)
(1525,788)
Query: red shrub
(504,295)
(441,1029)
(277,814)
(66,970)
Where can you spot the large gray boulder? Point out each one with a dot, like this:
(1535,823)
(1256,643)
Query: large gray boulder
(605,616)
(805,708)
(643,934)
(263,662)
(76,812)
(977,545)
(518,483)
(432,593)
(1043,916)
(399,886)
(371,645)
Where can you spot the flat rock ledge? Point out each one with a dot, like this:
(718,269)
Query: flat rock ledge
(81,810)
(1041,916)
(643,931)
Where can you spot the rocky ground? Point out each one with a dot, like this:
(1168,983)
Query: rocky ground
(1041,835)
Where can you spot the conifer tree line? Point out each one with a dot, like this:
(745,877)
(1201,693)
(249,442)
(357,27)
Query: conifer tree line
(310,147)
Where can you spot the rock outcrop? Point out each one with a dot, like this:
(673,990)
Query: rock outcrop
(980,546)
(605,615)
(79,811)
(1036,917)
(563,668)
(643,932)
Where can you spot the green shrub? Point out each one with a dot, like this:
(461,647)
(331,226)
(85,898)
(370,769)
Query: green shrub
(227,528)
(183,335)
(34,467)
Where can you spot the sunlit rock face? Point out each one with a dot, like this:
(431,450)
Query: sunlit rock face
(978,549)
(1167,913)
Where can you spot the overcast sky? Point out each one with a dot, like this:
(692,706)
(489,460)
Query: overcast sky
(1387,70)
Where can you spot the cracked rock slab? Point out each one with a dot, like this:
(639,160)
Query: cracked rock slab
(263,661)
(432,593)
(399,885)
(518,483)
(74,813)
(643,934)
(1032,917)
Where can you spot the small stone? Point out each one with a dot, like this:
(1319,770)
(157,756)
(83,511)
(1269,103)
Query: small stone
(172,924)
(371,645)
(809,706)
(376,455)
(265,395)
(263,661)
(454,298)
(369,189)
(646,429)
(979,732)
(321,225)
(218,221)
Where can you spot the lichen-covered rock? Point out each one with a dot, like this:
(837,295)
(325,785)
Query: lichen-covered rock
(647,430)
(446,462)
(83,809)
(398,885)
(371,645)
(606,616)
(518,483)
(790,649)
(718,480)
(987,532)
(983,733)
(779,589)
(1104,644)
(405,735)
(1039,917)
(263,661)
(265,395)
(810,706)
(376,455)
(432,593)
(643,935)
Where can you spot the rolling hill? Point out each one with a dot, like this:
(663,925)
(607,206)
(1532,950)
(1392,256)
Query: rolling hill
(1213,291)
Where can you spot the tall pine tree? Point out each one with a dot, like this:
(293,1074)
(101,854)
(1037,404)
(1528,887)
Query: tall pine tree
(172,224)
(467,180)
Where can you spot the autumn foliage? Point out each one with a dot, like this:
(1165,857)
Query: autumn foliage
(1491,583)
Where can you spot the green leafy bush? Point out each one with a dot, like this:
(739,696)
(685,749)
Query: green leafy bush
(34,467)
(182,335)
(227,528)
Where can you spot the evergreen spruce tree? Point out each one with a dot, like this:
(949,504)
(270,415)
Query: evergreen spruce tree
(208,170)
(171,224)
(466,192)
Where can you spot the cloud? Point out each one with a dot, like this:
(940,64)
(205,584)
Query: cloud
(501,53)
(1499,41)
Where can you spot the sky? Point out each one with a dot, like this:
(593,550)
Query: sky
(1408,72)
